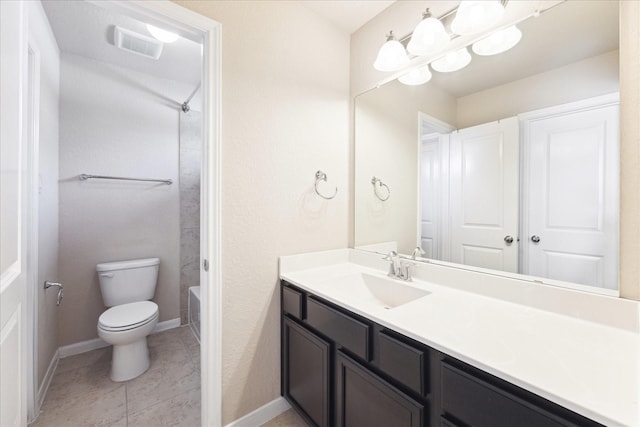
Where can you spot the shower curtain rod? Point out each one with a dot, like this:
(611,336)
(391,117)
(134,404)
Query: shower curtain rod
(185,105)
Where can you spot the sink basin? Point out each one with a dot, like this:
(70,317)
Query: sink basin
(391,293)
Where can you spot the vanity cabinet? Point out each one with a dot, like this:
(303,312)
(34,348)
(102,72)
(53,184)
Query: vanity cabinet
(365,399)
(306,372)
(341,369)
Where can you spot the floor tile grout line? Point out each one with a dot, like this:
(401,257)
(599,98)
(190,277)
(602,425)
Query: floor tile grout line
(126,404)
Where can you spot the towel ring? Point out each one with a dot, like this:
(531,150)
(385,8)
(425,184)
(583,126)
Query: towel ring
(381,184)
(321,176)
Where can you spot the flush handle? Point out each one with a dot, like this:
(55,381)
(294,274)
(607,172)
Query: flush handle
(105,274)
(48,284)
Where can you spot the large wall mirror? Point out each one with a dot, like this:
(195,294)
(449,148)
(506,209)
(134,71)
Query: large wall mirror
(510,164)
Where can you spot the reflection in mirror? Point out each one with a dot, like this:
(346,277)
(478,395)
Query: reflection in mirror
(510,164)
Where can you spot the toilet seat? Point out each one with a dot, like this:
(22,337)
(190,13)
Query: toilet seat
(128,316)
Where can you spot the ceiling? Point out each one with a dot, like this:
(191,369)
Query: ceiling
(569,32)
(348,15)
(85,29)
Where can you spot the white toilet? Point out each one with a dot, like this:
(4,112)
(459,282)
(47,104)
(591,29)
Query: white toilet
(127,287)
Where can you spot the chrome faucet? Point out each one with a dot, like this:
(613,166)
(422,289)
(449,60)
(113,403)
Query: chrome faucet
(394,263)
(398,269)
(405,270)
(417,252)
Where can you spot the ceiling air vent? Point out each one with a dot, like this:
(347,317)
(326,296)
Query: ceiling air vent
(137,43)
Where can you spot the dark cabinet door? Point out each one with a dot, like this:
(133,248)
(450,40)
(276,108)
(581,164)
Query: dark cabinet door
(473,401)
(306,372)
(365,400)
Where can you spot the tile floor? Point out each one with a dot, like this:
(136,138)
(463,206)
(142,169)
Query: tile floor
(289,418)
(168,394)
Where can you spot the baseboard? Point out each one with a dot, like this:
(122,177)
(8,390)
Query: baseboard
(167,324)
(96,343)
(46,381)
(81,347)
(262,414)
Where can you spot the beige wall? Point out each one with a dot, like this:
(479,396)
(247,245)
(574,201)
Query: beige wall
(285,98)
(630,149)
(387,131)
(591,77)
(44,41)
(114,121)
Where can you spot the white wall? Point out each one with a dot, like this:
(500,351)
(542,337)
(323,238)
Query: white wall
(114,121)
(42,40)
(584,79)
(285,98)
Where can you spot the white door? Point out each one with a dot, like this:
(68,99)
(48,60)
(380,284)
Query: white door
(430,223)
(572,197)
(13,411)
(484,195)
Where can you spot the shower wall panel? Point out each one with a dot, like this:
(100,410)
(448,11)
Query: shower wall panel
(190,159)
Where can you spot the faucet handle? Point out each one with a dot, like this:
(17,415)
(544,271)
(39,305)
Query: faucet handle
(390,256)
(405,270)
(417,252)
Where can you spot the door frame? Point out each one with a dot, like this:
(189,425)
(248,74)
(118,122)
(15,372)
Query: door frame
(443,128)
(32,139)
(199,28)
(525,120)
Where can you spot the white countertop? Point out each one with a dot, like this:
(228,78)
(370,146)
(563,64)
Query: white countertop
(587,366)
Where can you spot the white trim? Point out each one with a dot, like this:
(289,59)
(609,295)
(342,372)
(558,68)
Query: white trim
(32,125)
(46,381)
(263,414)
(96,343)
(443,129)
(166,325)
(81,347)
(571,107)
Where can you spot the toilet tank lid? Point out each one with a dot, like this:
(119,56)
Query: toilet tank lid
(122,265)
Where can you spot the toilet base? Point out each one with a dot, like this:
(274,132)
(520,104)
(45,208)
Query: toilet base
(129,360)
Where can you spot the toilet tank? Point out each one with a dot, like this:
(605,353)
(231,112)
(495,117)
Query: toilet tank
(123,282)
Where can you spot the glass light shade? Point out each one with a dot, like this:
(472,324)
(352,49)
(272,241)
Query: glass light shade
(162,35)
(391,57)
(498,42)
(428,37)
(416,77)
(452,61)
(474,16)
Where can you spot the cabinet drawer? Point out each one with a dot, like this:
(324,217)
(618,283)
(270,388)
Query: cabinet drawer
(344,330)
(403,362)
(475,402)
(292,302)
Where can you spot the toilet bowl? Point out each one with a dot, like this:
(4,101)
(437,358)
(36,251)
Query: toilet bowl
(127,287)
(126,327)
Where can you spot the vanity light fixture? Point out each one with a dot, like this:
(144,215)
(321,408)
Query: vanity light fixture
(416,77)
(498,42)
(474,16)
(428,37)
(392,56)
(162,35)
(452,61)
